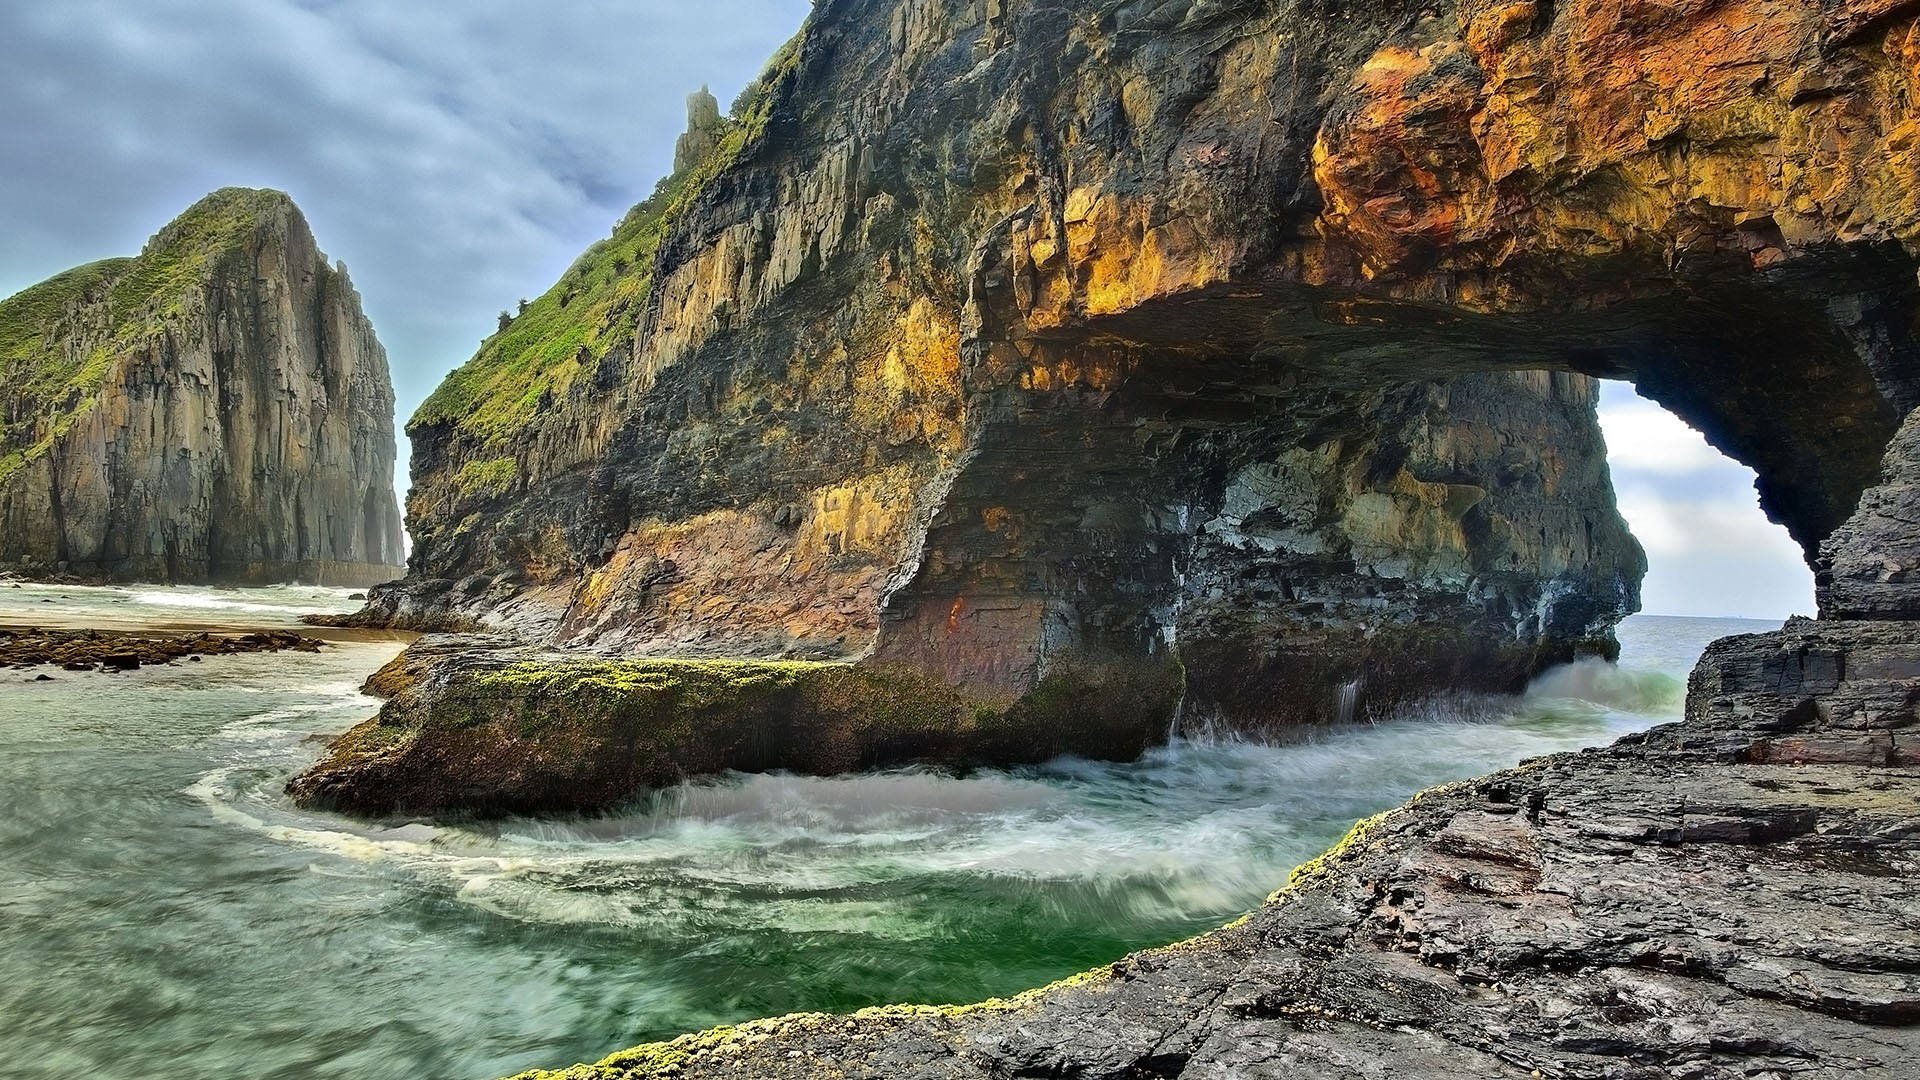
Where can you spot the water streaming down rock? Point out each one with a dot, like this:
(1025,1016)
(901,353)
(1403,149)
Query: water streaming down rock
(1347,702)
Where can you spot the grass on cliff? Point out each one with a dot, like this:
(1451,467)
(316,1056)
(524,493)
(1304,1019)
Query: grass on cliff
(597,304)
(60,338)
(487,478)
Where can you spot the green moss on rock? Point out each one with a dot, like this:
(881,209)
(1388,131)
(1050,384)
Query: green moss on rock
(488,478)
(534,358)
(553,732)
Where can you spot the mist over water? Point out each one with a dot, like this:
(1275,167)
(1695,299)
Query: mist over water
(162,908)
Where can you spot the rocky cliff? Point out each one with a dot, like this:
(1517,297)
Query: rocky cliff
(1027,345)
(941,354)
(215,409)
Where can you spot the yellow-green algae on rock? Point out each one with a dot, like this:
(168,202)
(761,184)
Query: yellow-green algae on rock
(666,1057)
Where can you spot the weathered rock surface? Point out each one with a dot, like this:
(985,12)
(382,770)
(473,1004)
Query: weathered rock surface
(216,409)
(1731,896)
(1870,567)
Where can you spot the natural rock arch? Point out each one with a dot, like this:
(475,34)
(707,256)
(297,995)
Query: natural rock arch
(1008,333)
(1801,374)
(962,356)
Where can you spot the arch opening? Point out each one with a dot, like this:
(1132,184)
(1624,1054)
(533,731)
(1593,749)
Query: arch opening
(1711,551)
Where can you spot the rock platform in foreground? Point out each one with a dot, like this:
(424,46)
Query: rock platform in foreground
(482,727)
(1732,896)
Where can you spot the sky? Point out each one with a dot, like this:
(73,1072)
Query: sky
(459,155)
(1710,551)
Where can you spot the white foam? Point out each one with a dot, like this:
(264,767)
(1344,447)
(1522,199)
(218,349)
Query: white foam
(1194,829)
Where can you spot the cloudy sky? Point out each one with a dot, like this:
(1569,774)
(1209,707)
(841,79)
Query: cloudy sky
(459,155)
(1710,551)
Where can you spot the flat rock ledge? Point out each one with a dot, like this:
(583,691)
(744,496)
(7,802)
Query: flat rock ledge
(1731,896)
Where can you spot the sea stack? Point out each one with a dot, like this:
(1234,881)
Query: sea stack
(213,410)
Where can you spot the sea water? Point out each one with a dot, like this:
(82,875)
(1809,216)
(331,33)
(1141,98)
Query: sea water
(164,911)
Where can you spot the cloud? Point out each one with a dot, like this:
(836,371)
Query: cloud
(1643,436)
(1710,550)
(1669,524)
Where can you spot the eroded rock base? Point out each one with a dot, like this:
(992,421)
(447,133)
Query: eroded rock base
(1732,896)
(479,726)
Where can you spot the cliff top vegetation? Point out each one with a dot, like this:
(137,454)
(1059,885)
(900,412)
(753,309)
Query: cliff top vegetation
(598,303)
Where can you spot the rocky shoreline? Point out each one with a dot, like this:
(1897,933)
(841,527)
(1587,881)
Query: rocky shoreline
(1725,897)
(1254,343)
(94,650)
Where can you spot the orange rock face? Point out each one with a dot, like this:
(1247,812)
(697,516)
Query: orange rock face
(1499,143)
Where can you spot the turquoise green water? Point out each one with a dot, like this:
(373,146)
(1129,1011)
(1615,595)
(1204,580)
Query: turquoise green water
(164,912)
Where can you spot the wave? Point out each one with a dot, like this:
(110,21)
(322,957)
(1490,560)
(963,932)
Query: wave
(1194,830)
(1590,679)
(277,600)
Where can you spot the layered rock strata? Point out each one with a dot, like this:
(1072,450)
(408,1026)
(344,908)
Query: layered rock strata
(215,409)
